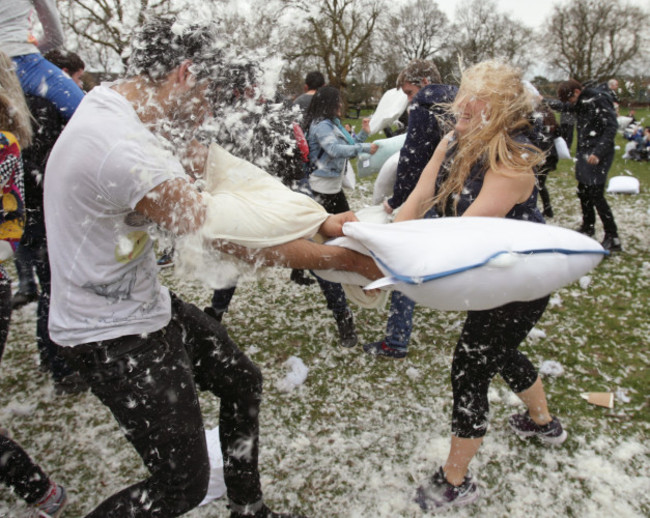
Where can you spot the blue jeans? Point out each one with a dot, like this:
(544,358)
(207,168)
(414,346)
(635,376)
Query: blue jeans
(400,320)
(41,78)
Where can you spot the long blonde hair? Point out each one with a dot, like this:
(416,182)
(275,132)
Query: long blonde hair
(508,108)
(14,113)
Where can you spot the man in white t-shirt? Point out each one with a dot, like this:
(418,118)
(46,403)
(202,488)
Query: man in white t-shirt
(143,351)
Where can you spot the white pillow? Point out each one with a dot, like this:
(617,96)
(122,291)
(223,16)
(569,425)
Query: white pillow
(391,105)
(623,185)
(370,164)
(245,206)
(385,180)
(473,263)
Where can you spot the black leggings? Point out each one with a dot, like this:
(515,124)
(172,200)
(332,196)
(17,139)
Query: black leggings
(488,345)
(17,469)
(149,385)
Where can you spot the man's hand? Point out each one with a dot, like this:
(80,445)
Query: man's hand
(333,225)
(593,160)
(365,125)
(373,148)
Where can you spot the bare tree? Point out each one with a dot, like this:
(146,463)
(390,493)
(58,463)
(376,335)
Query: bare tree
(418,30)
(100,30)
(338,33)
(595,39)
(481,32)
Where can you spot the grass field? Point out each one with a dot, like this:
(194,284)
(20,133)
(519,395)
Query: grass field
(356,438)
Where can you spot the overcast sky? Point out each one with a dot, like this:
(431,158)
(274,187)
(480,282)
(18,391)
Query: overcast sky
(530,12)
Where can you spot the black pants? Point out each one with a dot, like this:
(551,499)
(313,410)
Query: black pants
(17,470)
(488,346)
(593,197)
(149,383)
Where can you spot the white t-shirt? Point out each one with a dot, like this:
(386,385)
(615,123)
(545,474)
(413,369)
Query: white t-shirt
(104,274)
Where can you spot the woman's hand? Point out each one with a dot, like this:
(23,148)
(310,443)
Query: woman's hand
(365,124)
(373,148)
(333,225)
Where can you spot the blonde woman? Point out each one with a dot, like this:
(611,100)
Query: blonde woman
(485,167)
(17,469)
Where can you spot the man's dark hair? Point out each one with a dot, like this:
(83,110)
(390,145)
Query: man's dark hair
(314,80)
(162,43)
(324,105)
(416,71)
(566,88)
(71,61)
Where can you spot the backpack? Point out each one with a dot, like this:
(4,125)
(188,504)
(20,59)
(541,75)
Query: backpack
(12,206)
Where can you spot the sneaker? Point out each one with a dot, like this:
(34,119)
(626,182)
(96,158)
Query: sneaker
(439,495)
(21,299)
(347,332)
(587,231)
(214,313)
(524,426)
(52,504)
(548,212)
(165,261)
(264,512)
(612,243)
(383,349)
(301,278)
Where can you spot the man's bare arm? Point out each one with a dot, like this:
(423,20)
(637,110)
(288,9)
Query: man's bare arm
(304,254)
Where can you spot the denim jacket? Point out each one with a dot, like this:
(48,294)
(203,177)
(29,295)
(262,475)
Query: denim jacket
(329,149)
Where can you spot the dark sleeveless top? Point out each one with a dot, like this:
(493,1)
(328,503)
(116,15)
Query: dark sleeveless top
(527,210)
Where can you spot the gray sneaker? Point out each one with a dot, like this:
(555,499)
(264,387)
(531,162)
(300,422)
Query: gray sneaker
(524,426)
(436,494)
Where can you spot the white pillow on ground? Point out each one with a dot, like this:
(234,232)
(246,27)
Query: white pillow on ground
(385,180)
(391,106)
(245,206)
(370,164)
(473,263)
(624,185)
(623,122)
(217,483)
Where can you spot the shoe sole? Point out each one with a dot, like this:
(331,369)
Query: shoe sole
(168,265)
(544,438)
(422,501)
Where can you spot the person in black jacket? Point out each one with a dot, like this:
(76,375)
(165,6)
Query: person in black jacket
(596,129)
(427,114)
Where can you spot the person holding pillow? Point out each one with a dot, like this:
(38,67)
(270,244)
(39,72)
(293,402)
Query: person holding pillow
(485,167)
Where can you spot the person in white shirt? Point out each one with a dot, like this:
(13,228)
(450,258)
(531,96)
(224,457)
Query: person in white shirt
(144,352)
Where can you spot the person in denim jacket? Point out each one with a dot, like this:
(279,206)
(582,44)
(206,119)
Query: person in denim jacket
(330,147)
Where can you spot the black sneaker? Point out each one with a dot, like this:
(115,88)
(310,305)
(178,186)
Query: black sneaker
(301,278)
(383,349)
(587,231)
(165,261)
(21,298)
(524,426)
(436,494)
(265,512)
(347,332)
(612,243)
